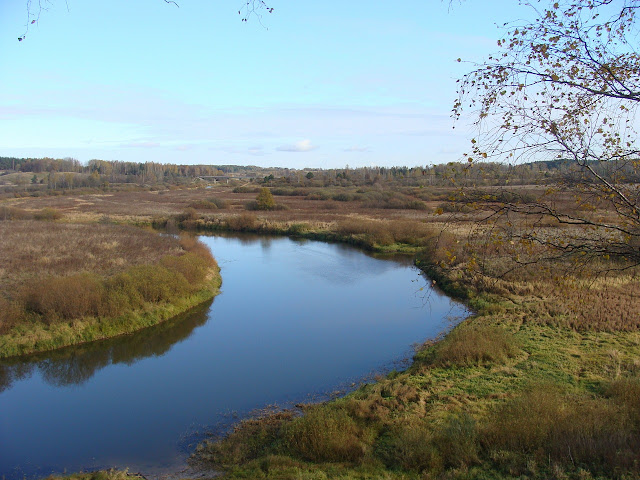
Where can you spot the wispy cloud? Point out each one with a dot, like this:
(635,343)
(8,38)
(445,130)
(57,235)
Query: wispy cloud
(256,150)
(184,147)
(301,146)
(357,149)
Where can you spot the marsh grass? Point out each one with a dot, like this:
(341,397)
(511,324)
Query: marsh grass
(325,434)
(473,344)
(250,439)
(33,250)
(545,424)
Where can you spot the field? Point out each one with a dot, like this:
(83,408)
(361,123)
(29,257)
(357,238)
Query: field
(542,382)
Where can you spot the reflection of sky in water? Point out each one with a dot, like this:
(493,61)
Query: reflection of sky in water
(294,318)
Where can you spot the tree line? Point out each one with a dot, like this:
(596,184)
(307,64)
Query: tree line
(71,173)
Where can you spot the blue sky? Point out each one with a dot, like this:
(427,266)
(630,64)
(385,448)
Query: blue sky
(314,84)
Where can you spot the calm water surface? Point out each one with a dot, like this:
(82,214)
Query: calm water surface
(296,320)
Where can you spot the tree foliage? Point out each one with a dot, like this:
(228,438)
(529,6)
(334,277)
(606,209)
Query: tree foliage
(265,200)
(566,86)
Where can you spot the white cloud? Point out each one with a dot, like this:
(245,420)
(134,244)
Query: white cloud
(301,146)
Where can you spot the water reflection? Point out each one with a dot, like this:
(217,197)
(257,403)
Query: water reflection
(77,364)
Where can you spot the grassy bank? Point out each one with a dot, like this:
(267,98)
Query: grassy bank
(152,278)
(38,336)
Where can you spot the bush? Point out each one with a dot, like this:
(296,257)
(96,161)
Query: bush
(210,204)
(48,214)
(319,195)
(193,245)
(626,393)
(376,231)
(472,344)
(324,434)
(221,203)
(344,197)
(157,284)
(454,207)
(64,298)
(298,229)
(189,265)
(11,313)
(244,222)
(409,447)
(81,295)
(290,192)
(189,215)
(265,200)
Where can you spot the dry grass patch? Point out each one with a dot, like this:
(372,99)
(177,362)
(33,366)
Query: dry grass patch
(30,249)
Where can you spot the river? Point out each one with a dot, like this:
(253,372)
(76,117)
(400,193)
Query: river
(295,321)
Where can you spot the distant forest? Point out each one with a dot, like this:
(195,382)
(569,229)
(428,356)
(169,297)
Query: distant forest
(69,173)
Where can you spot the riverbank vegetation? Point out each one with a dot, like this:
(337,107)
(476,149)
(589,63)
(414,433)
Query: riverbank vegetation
(65,284)
(541,382)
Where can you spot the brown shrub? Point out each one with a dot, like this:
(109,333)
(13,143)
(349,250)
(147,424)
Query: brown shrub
(189,265)
(189,215)
(376,231)
(64,298)
(213,203)
(11,313)
(155,283)
(30,249)
(626,392)
(243,222)
(393,200)
(194,246)
(411,231)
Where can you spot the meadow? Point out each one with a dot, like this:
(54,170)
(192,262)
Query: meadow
(543,381)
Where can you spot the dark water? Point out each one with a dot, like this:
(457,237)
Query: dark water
(296,320)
